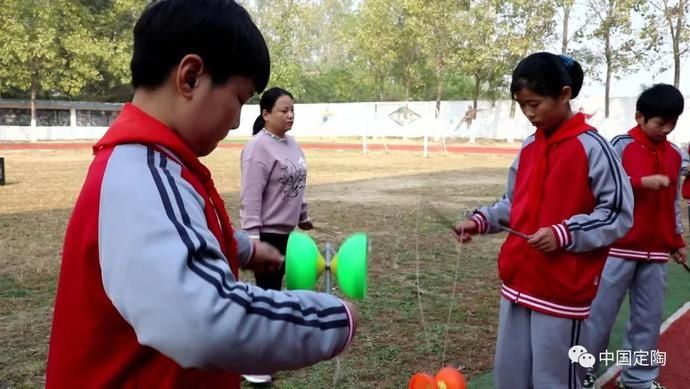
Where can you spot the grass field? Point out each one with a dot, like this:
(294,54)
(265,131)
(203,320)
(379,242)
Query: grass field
(404,328)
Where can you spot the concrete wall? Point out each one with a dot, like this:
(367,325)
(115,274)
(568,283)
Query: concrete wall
(374,119)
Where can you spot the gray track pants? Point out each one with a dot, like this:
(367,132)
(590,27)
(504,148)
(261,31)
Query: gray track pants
(532,350)
(647,284)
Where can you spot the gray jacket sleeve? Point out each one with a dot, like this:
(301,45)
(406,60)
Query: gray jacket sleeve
(245,247)
(681,174)
(164,272)
(686,161)
(613,214)
(620,142)
(487,218)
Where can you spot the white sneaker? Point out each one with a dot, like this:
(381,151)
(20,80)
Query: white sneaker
(589,381)
(655,385)
(257,379)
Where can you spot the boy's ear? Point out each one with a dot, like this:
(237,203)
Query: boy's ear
(566,93)
(639,118)
(189,71)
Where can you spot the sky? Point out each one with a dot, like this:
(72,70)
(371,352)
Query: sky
(634,83)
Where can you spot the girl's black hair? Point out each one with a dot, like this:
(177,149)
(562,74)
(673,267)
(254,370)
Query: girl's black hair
(546,74)
(268,100)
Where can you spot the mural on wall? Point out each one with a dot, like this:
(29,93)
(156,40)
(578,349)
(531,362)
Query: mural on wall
(404,116)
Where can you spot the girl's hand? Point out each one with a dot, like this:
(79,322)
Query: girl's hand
(544,240)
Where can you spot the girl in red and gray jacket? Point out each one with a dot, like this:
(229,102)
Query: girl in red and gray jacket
(568,193)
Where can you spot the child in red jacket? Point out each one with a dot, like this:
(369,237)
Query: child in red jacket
(567,190)
(149,295)
(637,262)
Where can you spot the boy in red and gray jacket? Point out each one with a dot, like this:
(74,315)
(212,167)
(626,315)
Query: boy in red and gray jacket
(149,295)
(638,260)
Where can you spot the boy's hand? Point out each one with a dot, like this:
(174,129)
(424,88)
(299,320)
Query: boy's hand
(265,258)
(306,225)
(680,255)
(355,316)
(655,182)
(464,230)
(544,240)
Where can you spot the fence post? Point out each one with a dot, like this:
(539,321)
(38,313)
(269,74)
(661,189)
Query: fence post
(2,171)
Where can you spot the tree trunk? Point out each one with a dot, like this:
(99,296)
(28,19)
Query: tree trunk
(607,51)
(676,63)
(33,105)
(566,19)
(680,16)
(608,87)
(676,73)
(477,85)
(439,91)
(380,88)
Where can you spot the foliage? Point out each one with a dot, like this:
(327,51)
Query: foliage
(337,50)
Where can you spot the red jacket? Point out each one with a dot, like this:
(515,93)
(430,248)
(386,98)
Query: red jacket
(87,328)
(573,183)
(657,229)
(148,295)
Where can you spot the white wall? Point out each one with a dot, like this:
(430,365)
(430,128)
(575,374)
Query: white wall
(493,120)
(372,119)
(28,134)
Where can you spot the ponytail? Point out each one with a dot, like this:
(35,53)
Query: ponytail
(575,72)
(258,125)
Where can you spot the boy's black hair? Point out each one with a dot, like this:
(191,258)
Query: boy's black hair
(546,74)
(221,32)
(268,100)
(661,100)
